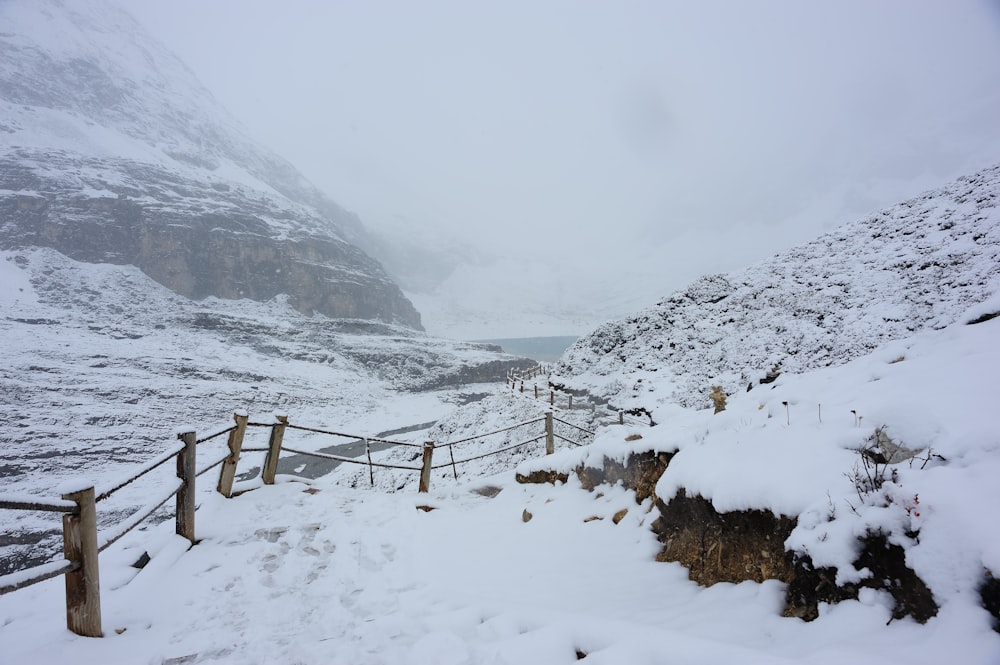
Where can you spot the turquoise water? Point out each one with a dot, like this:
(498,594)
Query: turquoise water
(542,349)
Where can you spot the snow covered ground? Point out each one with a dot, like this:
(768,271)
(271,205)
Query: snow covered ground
(102,366)
(337,574)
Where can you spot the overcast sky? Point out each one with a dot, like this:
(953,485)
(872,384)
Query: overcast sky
(718,132)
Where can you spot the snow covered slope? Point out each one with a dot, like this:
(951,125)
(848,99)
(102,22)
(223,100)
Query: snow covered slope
(111,151)
(913,266)
(101,366)
(338,574)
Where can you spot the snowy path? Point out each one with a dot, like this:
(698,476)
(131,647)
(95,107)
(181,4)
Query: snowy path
(285,575)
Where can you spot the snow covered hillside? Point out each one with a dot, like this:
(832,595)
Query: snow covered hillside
(913,266)
(552,574)
(101,366)
(111,151)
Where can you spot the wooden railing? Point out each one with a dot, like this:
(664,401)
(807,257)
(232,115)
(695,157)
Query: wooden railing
(82,543)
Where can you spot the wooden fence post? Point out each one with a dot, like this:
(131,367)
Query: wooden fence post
(621,417)
(570,406)
(274,449)
(186,471)
(83,585)
(550,439)
(536,391)
(425,470)
(522,386)
(228,473)
(552,398)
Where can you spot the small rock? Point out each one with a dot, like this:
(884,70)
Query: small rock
(620,515)
(526,516)
(592,518)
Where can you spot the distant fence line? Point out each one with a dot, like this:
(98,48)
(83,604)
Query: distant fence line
(78,505)
(516,381)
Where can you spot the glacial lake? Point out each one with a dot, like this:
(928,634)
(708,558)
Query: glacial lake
(542,349)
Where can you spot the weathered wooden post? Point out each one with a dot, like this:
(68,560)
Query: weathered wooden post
(522,386)
(552,398)
(569,407)
(274,449)
(621,417)
(186,471)
(425,470)
(550,439)
(83,585)
(228,473)
(536,391)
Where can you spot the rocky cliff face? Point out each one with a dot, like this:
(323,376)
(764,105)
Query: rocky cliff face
(110,151)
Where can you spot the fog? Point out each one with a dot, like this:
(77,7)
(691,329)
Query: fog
(618,149)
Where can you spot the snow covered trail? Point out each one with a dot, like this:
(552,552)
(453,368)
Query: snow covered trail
(298,573)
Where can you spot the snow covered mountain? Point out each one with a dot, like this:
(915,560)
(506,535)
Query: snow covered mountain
(111,151)
(913,266)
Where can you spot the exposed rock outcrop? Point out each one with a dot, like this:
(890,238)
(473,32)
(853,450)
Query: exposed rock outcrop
(723,547)
(111,151)
(809,586)
(747,545)
(219,247)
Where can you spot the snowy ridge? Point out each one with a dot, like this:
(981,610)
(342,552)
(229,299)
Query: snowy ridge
(916,265)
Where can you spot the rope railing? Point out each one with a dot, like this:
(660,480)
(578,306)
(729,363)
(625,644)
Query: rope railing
(214,435)
(489,454)
(354,437)
(25,578)
(582,429)
(30,502)
(499,431)
(211,466)
(136,518)
(562,438)
(157,461)
(350,460)
(83,543)
(552,397)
